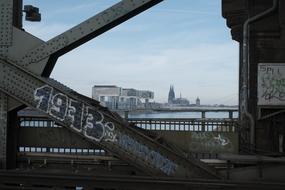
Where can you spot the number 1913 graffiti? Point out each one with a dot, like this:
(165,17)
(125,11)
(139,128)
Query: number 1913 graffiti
(76,115)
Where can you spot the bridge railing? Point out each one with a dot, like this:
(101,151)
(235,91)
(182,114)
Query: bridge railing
(186,124)
(201,138)
(55,133)
(201,113)
(171,124)
(204,138)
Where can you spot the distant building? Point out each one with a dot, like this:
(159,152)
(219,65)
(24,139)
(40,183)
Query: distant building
(181,102)
(176,101)
(118,98)
(171,95)
(198,103)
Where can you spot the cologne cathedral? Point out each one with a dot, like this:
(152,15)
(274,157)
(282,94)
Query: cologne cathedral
(176,101)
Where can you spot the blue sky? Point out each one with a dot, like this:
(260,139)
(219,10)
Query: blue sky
(184,43)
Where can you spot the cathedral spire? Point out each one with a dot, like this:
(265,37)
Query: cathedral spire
(171,94)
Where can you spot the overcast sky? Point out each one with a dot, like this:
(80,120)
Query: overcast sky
(184,43)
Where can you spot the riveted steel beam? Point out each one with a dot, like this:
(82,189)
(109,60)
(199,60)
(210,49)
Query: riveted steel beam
(96,125)
(3,129)
(21,79)
(6,23)
(6,39)
(6,27)
(39,56)
(52,137)
(82,33)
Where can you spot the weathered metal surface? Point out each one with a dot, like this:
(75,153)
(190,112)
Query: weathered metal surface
(236,158)
(3,129)
(35,48)
(261,172)
(271,84)
(218,136)
(49,51)
(206,142)
(58,181)
(63,106)
(74,111)
(265,45)
(75,163)
(52,137)
(96,125)
(12,37)
(17,50)
(6,23)
(6,40)
(195,135)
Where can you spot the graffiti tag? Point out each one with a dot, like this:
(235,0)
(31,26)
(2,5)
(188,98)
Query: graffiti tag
(220,140)
(147,155)
(85,119)
(210,141)
(80,117)
(273,87)
(271,84)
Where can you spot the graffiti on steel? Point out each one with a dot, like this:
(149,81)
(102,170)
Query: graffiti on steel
(80,117)
(149,156)
(210,141)
(271,84)
(220,140)
(85,119)
(274,87)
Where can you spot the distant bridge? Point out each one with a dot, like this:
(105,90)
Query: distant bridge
(203,110)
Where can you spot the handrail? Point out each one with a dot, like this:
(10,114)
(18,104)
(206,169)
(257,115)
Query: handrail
(162,124)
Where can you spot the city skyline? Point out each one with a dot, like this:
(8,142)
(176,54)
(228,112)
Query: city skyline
(191,101)
(185,43)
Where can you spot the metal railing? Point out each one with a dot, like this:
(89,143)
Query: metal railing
(41,122)
(37,122)
(186,124)
(73,151)
(197,113)
(167,124)
(153,124)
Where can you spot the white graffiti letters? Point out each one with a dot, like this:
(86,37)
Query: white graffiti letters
(223,141)
(94,126)
(42,95)
(59,106)
(91,123)
(75,114)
